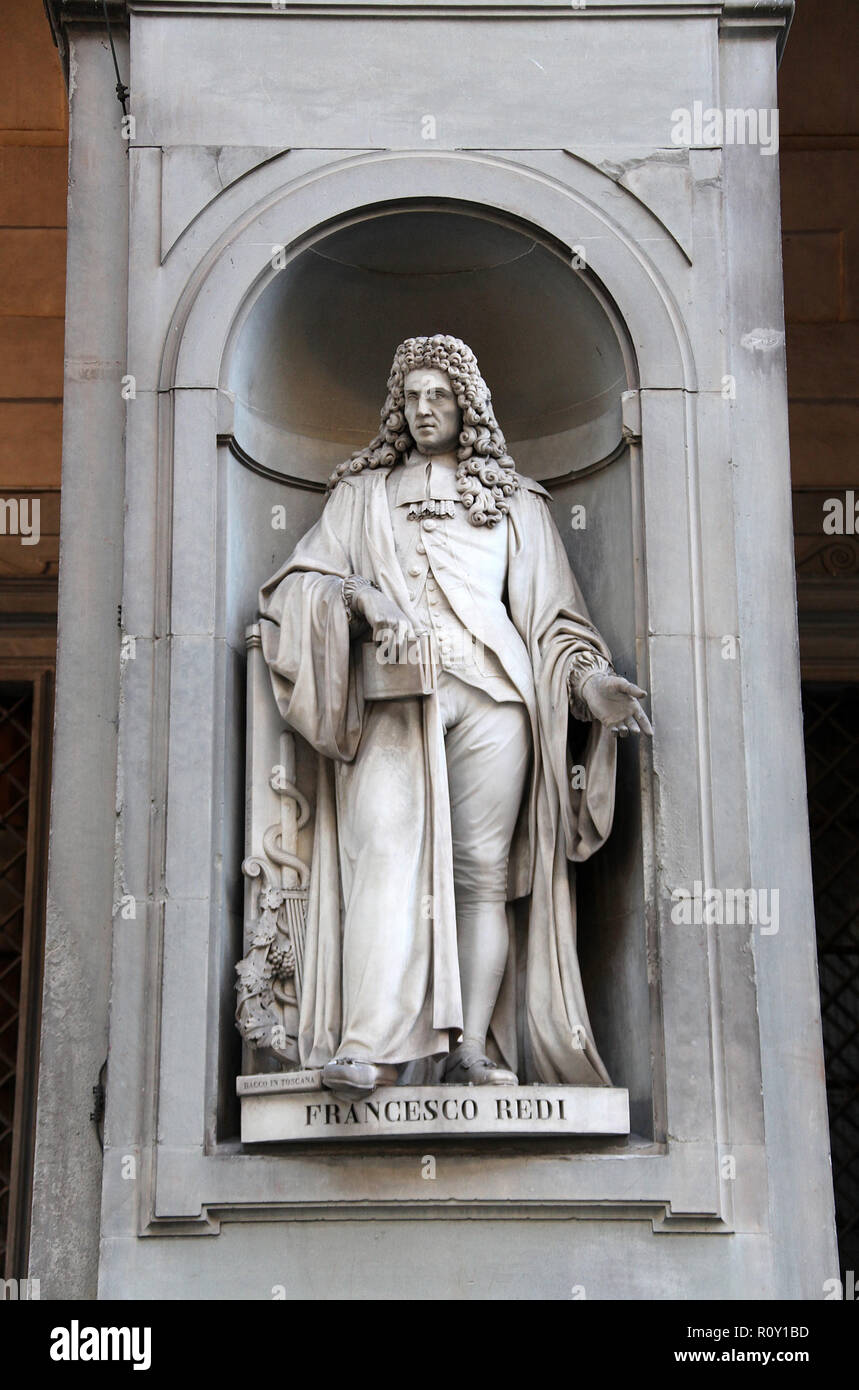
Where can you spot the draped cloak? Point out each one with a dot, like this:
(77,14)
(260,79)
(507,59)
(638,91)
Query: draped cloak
(382,858)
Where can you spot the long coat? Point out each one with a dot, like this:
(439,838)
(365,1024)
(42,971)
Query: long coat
(382,875)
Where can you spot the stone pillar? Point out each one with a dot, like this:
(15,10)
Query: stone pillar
(787,987)
(68,1162)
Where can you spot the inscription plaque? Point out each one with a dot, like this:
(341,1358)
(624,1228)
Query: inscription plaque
(408,1112)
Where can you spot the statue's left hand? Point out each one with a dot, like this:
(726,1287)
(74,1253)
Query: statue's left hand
(614,701)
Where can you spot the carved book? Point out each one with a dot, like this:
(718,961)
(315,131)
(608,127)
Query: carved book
(393,672)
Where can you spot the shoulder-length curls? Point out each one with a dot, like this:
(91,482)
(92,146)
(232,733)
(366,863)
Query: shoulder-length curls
(486,475)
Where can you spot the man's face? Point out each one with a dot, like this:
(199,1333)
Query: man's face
(432,414)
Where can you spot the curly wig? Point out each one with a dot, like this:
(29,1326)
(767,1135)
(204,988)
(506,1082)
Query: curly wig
(486,475)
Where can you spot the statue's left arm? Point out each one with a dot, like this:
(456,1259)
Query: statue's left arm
(594,689)
(572,672)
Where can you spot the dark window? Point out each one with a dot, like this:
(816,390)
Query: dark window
(832,759)
(24,772)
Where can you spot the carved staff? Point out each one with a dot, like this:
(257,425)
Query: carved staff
(280,844)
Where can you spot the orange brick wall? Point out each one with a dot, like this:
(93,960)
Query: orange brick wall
(33,181)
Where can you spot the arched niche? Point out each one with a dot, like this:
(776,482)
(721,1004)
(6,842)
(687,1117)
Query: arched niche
(308,368)
(305,371)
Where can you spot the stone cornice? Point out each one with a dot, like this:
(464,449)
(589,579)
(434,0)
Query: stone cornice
(62,13)
(741,13)
(761,12)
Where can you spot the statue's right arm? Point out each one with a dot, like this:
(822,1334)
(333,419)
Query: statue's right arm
(305,632)
(324,551)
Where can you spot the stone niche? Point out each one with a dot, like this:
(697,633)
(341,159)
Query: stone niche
(304,381)
(289,223)
(276,354)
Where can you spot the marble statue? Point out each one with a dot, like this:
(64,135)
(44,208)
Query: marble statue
(428,639)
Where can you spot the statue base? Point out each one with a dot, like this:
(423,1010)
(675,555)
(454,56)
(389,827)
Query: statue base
(275,1109)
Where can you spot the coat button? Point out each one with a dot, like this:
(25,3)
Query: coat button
(421,549)
(414,570)
(429,525)
(430,584)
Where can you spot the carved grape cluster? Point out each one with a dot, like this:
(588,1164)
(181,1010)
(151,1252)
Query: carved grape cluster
(281,962)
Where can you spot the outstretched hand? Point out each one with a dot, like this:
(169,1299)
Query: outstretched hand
(614,701)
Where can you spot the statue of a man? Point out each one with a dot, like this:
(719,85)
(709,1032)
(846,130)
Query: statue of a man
(435,812)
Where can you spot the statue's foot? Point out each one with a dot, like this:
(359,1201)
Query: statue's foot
(468,1066)
(351,1079)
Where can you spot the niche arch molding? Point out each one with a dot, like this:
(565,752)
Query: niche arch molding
(236,266)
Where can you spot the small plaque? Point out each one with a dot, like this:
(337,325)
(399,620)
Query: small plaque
(267,1083)
(411,1112)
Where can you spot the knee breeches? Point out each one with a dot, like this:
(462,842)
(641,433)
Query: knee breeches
(488,751)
